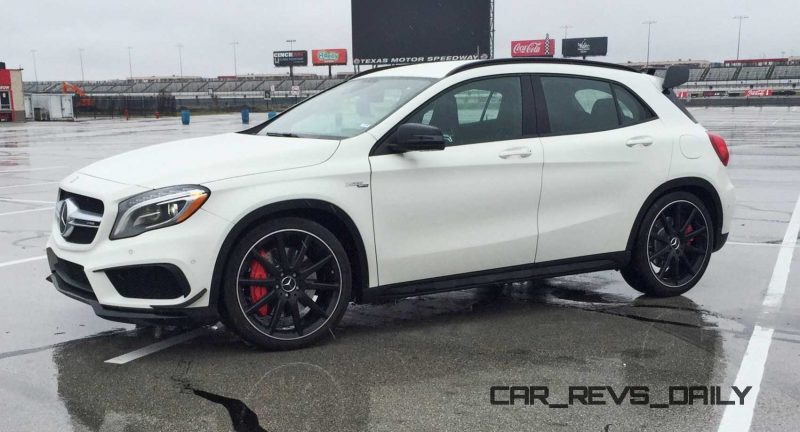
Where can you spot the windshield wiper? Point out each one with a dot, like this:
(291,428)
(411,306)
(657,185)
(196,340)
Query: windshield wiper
(283,134)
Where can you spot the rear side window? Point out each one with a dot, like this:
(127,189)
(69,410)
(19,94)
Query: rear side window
(578,105)
(631,109)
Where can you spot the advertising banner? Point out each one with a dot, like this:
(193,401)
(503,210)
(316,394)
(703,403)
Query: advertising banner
(758,92)
(533,48)
(584,47)
(290,58)
(329,57)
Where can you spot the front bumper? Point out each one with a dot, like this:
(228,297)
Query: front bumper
(188,250)
(67,279)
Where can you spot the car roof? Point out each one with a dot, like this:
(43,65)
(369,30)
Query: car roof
(447,68)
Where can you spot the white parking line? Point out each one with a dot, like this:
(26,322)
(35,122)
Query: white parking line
(33,169)
(22,261)
(158,346)
(756,244)
(737,418)
(27,185)
(26,211)
(25,201)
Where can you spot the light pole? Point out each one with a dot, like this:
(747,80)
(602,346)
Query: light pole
(649,25)
(35,72)
(235,67)
(291,68)
(566,27)
(180,58)
(80,54)
(130,62)
(739,39)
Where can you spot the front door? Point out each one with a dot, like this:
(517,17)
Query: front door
(470,207)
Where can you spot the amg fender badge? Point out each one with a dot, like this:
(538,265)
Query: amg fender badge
(357,184)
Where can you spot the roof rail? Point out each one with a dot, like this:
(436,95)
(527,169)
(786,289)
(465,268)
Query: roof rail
(502,61)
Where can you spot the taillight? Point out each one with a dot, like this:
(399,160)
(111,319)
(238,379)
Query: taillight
(720,147)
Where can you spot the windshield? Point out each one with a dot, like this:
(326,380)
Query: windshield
(348,109)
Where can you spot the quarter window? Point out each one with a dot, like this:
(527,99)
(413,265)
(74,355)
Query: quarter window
(630,108)
(479,111)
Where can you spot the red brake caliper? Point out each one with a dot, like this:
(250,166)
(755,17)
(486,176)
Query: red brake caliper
(687,231)
(256,292)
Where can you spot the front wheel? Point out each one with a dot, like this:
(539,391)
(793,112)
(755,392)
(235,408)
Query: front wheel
(673,246)
(287,284)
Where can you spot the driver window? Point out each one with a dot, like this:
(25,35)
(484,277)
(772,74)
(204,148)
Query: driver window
(479,111)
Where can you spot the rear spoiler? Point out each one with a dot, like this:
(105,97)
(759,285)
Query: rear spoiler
(676,75)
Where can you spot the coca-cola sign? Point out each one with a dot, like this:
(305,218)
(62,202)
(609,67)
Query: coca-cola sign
(758,92)
(533,48)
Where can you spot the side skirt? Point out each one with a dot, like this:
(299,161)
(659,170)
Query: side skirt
(586,264)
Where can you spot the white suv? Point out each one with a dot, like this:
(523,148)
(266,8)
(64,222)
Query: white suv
(398,182)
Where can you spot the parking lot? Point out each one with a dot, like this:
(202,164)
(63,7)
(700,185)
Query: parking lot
(425,363)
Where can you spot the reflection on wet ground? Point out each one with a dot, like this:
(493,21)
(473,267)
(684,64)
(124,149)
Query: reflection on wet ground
(424,363)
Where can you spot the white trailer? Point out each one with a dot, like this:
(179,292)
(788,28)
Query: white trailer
(52,107)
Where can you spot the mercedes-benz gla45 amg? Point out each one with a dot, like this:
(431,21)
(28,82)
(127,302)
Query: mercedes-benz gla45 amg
(401,181)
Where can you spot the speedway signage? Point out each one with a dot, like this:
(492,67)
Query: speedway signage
(290,58)
(326,57)
(584,47)
(533,48)
(758,92)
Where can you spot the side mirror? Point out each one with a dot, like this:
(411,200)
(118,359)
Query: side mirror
(417,137)
(676,75)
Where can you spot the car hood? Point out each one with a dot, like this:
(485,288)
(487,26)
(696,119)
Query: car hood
(218,157)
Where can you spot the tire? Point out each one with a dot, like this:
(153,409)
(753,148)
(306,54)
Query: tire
(291,300)
(673,246)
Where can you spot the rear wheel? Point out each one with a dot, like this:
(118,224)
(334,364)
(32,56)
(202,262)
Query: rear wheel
(287,284)
(673,246)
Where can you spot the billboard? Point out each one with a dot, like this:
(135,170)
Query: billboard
(533,48)
(290,58)
(326,57)
(584,47)
(414,31)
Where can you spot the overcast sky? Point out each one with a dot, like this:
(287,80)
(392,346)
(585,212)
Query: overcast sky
(697,29)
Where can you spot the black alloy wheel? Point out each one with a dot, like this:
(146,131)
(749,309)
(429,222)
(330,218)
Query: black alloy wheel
(673,246)
(678,243)
(291,284)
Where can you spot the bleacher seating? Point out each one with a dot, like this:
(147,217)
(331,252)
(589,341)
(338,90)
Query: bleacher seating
(753,73)
(717,76)
(721,73)
(228,86)
(786,72)
(695,74)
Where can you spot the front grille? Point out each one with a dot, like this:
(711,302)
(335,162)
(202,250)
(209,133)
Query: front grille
(154,281)
(71,276)
(82,235)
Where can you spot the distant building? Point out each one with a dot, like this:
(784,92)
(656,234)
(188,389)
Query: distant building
(12,100)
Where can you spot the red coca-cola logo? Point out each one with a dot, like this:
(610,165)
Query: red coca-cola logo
(531,48)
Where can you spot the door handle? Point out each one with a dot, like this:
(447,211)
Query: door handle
(643,141)
(516,153)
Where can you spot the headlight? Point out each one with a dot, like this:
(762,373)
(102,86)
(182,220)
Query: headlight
(157,209)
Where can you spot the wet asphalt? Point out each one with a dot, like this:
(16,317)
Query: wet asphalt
(418,364)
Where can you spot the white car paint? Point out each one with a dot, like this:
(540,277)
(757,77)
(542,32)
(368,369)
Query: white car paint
(424,214)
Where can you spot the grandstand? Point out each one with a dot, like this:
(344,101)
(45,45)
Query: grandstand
(730,78)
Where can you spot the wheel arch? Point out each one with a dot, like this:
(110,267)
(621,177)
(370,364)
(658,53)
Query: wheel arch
(702,188)
(326,214)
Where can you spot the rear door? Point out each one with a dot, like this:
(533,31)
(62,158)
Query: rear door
(471,206)
(604,152)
